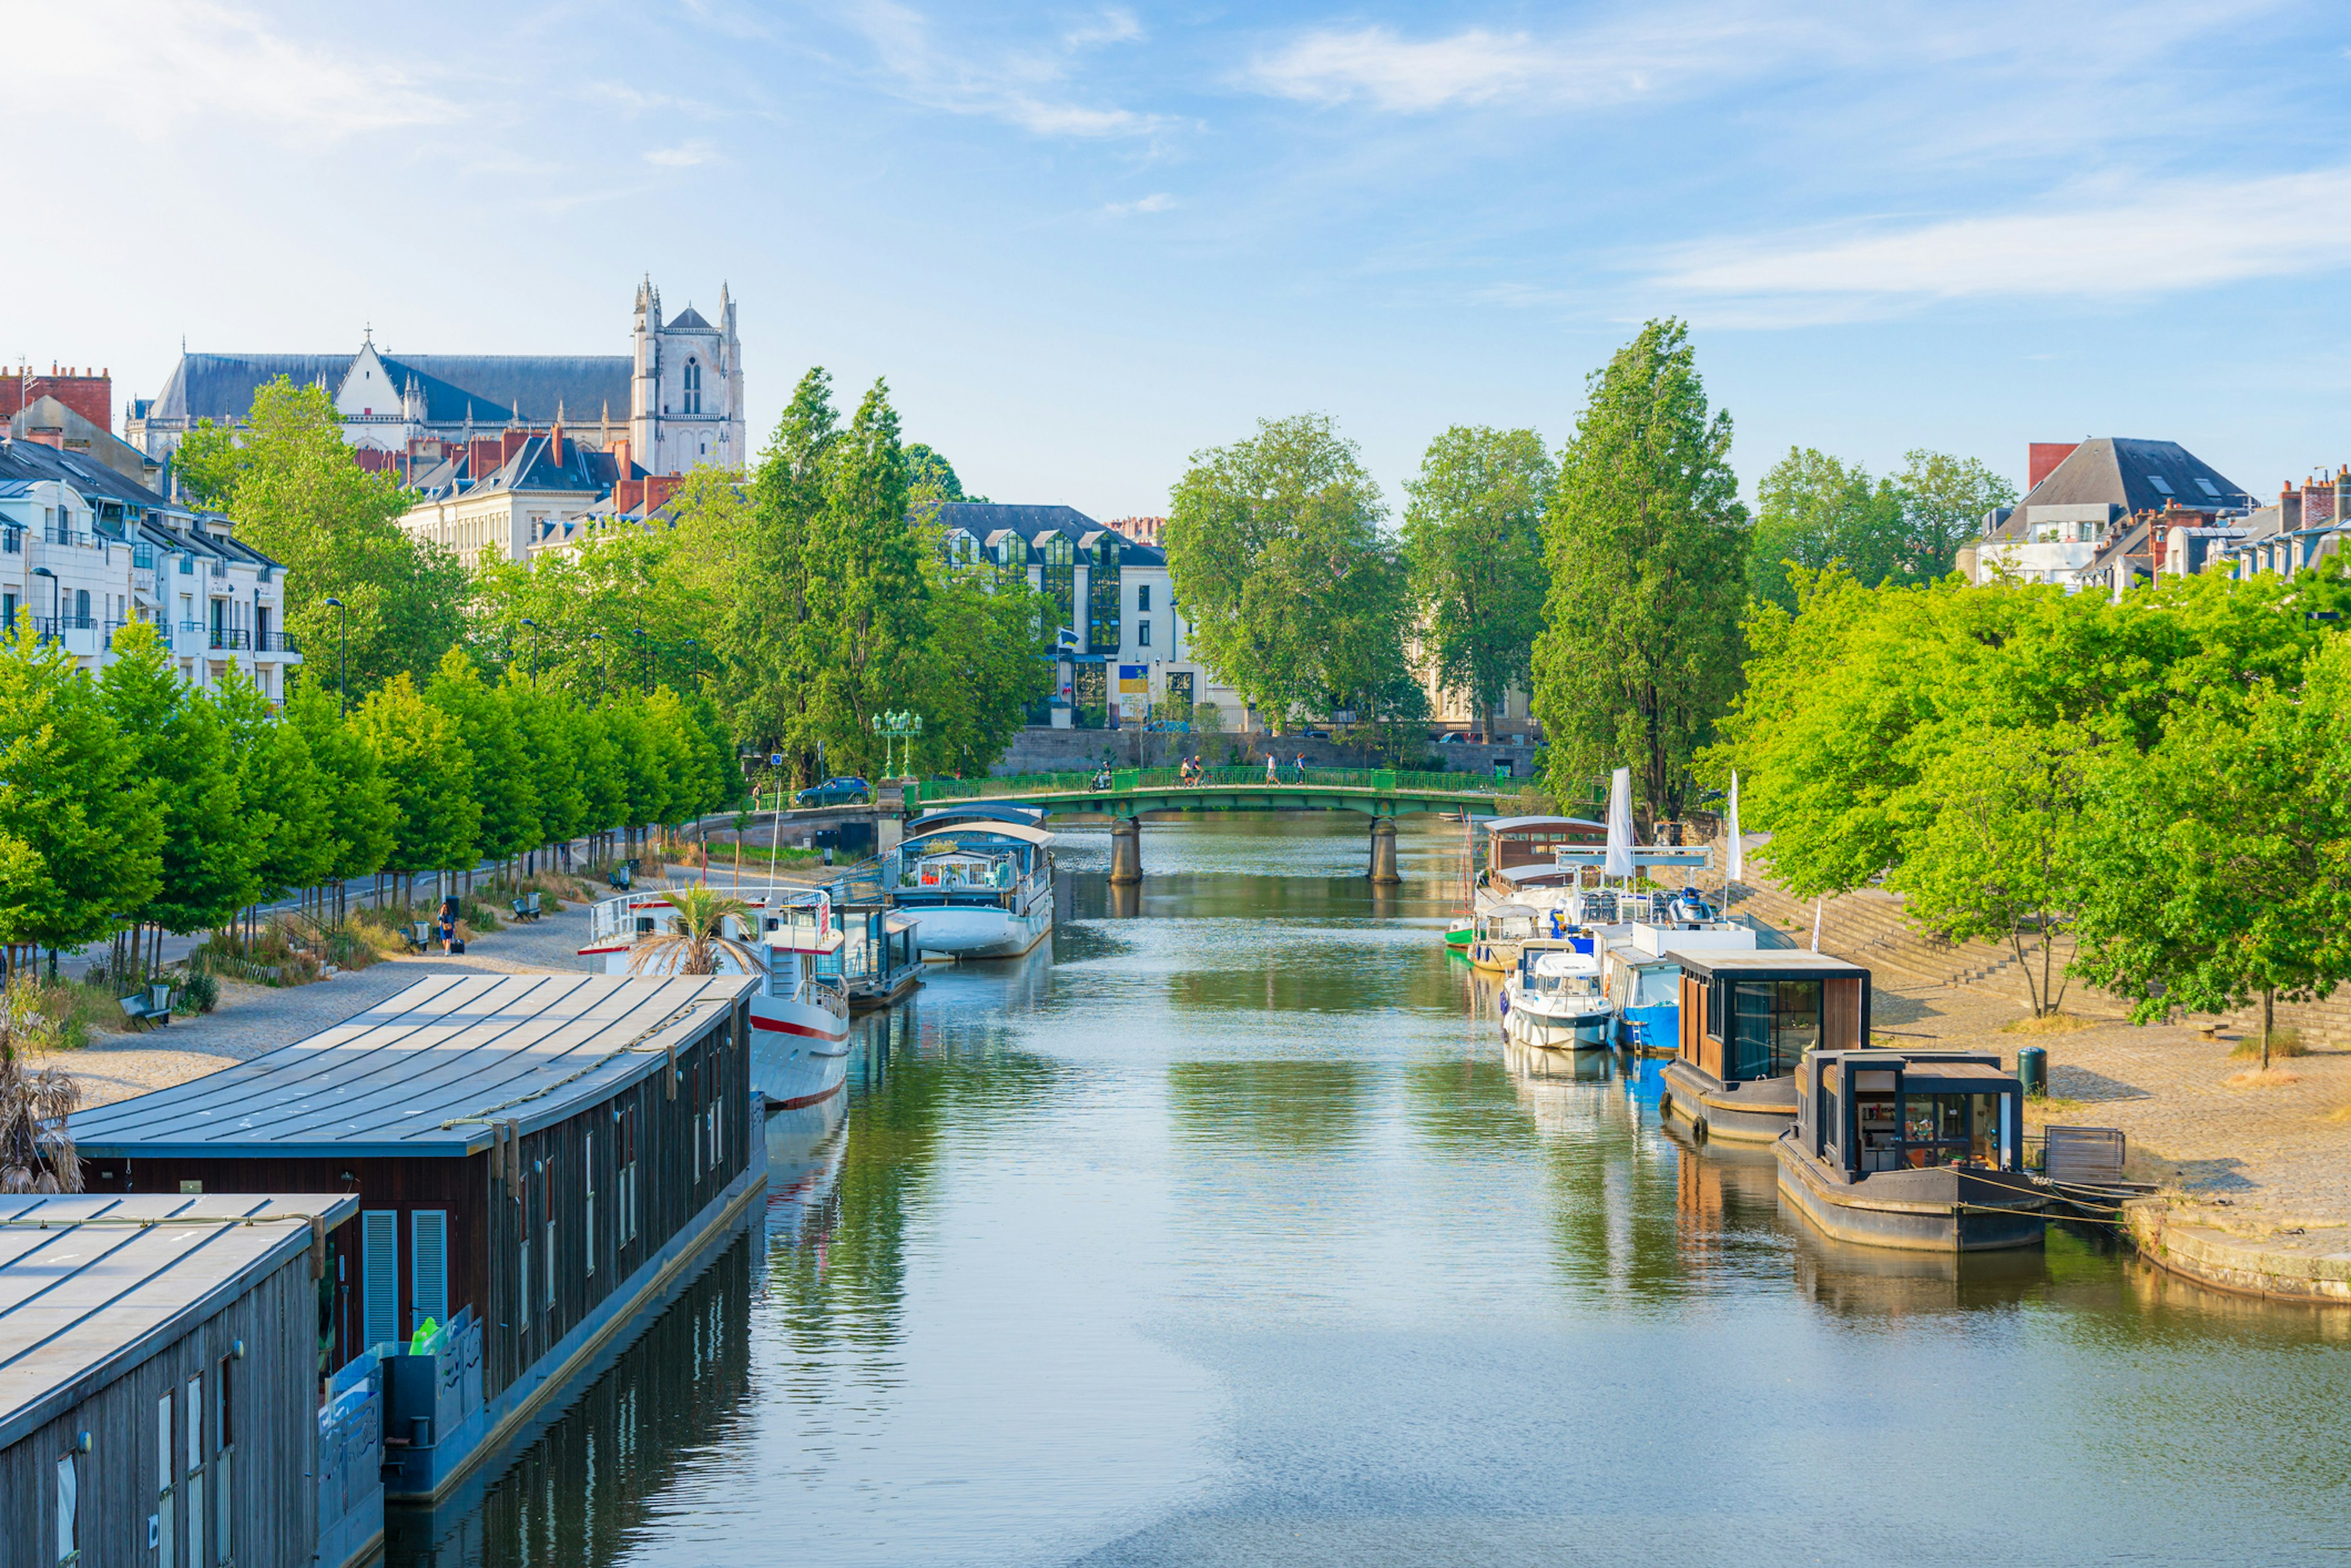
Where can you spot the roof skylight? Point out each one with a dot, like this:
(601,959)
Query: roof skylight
(2209,487)
(2162,485)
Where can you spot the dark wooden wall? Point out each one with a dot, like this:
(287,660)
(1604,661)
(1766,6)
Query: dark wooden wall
(272,1411)
(485,1222)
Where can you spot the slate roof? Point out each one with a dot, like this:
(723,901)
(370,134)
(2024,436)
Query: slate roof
(982,518)
(2137,475)
(690,320)
(91,1285)
(490,388)
(390,1081)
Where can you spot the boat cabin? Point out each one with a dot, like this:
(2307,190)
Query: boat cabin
(161,1396)
(1561,966)
(1864,1111)
(1747,1016)
(1513,842)
(971,861)
(533,1157)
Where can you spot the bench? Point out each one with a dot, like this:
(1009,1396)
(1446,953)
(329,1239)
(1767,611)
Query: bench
(526,908)
(153,1006)
(620,877)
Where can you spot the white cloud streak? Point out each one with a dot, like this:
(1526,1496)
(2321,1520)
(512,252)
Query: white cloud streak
(2164,239)
(1023,88)
(686,154)
(157,66)
(1157,202)
(1377,66)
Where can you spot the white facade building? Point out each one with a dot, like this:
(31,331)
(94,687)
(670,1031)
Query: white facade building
(85,552)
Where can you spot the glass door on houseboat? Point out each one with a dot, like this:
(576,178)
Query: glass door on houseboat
(1951,1130)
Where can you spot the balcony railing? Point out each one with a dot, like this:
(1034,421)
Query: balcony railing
(58,534)
(231,637)
(279,642)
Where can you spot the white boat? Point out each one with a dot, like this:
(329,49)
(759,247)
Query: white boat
(979,885)
(799,1012)
(1553,1000)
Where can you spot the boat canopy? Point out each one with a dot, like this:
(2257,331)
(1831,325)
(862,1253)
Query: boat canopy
(979,812)
(1565,961)
(804,939)
(1017,831)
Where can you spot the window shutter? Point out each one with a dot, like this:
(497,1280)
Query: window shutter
(428,1273)
(379,1268)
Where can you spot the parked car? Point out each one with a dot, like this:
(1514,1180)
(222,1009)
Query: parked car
(833,793)
(1314,734)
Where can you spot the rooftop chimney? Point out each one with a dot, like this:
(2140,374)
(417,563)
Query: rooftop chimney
(2042,458)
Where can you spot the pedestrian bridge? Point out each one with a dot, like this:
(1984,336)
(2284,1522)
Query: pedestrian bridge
(1381,794)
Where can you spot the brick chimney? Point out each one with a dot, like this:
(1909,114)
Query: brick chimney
(2042,458)
(88,395)
(510,442)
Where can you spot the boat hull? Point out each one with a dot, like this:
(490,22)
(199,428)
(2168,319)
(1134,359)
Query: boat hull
(981,933)
(799,1053)
(1557,1031)
(1944,1210)
(1755,1111)
(1650,1031)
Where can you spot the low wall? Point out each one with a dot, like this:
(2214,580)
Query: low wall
(2292,1266)
(1042,750)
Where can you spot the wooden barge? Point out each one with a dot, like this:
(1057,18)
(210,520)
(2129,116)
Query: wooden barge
(159,1382)
(1917,1150)
(1746,1020)
(533,1157)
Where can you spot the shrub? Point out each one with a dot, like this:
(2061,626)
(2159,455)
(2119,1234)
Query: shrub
(199,992)
(2283,1042)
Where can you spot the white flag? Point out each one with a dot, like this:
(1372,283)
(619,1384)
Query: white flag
(1736,866)
(1619,825)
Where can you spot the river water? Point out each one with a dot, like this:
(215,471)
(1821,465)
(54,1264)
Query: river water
(1224,1233)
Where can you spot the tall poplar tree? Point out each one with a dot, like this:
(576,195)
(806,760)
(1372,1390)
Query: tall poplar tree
(505,797)
(179,745)
(1647,547)
(1473,541)
(428,777)
(360,816)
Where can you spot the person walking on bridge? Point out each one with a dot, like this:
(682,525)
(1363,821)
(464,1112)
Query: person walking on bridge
(1301,768)
(1273,770)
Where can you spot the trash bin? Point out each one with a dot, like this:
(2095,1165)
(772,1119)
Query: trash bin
(2032,1069)
(1504,769)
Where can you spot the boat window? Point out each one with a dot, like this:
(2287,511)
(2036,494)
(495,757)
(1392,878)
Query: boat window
(1881,1139)
(1950,1129)
(1773,1024)
(1656,987)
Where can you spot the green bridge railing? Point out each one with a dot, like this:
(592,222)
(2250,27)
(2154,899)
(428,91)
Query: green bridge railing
(1128,780)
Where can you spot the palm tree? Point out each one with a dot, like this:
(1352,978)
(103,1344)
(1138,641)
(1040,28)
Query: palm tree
(37,1155)
(696,936)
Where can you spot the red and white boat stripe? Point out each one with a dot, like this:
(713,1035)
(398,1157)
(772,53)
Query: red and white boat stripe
(781,1027)
(796,1101)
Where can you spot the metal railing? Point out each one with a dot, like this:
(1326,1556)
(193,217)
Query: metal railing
(58,534)
(231,637)
(277,642)
(1126,780)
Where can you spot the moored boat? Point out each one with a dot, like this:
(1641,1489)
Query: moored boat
(1499,930)
(1915,1150)
(1554,999)
(977,885)
(1745,1021)
(800,1011)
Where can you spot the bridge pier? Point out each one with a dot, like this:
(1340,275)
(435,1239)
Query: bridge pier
(1384,856)
(1125,852)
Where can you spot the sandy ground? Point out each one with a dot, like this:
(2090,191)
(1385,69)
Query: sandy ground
(2268,1149)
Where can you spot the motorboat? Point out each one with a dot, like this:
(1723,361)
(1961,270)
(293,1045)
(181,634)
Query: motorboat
(1554,999)
(800,1011)
(977,886)
(1499,930)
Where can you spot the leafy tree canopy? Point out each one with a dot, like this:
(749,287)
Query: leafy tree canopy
(1473,546)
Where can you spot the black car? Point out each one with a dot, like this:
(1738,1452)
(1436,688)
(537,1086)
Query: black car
(833,793)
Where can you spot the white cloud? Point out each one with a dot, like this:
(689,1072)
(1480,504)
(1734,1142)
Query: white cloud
(160,62)
(686,154)
(1375,65)
(1157,202)
(1022,87)
(2163,239)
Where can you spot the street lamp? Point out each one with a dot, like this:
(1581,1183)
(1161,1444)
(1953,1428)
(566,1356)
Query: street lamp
(893,727)
(56,596)
(342,656)
(534,650)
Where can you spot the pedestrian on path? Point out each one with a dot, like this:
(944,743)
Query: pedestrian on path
(448,921)
(1272,770)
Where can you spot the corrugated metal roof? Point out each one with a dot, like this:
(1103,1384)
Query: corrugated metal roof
(388,1081)
(1795,963)
(91,1285)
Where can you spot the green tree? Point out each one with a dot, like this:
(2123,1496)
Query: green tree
(1945,500)
(81,838)
(360,816)
(178,743)
(989,658)
(505,799)
(930,476)
(428,779)
(299,497)
(208,463)
(551,732)
(1647,547)
(2223,855)
(282,794)
(1815,512)
(1275,550)
(1473,541)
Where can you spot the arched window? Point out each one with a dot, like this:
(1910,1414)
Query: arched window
(82,606)
(693,387)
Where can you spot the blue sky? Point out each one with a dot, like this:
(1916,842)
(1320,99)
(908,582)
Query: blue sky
(1082,242)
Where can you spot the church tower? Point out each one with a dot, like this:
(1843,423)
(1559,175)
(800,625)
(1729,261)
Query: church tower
(685,391)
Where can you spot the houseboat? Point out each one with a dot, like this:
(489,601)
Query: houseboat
(1527,845)
(799,1008)
(161,1398)
(1644,982)
(1553,1000)
(977,882)
(533,1157)
(1745,1022)
(1915,1150)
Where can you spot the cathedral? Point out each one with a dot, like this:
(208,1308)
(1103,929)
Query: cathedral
(674,403)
